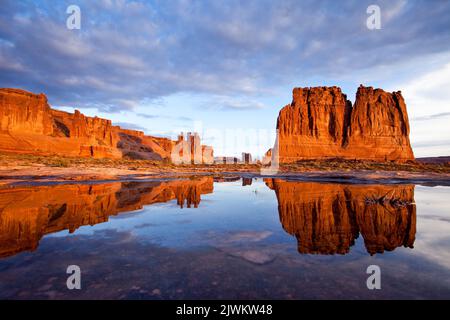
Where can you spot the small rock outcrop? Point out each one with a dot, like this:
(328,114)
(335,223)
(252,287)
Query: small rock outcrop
(321,123)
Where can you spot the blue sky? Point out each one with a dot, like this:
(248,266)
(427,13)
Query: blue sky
(226,68)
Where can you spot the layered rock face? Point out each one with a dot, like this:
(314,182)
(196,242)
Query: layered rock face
(97,137)
(328,218)
(189,150)
(321,123)
(314,125)
(267,159)
(207,154)
(29,125)
(136,145)
(33,116)
(27,214)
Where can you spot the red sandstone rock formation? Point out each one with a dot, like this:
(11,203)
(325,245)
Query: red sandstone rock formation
(33,116)
(29,125)
(207,155)
(321,123)
(267,159)
(328,218)
(189,150)
(27,214)
(97,137)
(136,145)
(379,126)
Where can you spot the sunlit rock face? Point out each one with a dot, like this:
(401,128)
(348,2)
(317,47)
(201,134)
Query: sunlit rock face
(314,125)
(321,123)
(29,213)
(28,125)
(328,218)
(33,117)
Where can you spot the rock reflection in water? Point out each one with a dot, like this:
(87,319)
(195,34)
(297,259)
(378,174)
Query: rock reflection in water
(29,213)
(327,218)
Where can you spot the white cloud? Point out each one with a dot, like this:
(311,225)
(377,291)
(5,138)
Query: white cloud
(217,55)
(428,101)
(429,94)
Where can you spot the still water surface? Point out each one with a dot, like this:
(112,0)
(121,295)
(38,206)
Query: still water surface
(241,239)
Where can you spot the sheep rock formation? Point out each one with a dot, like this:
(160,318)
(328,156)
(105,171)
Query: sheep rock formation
(28,125)
(321,123)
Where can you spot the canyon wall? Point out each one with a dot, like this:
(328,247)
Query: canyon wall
(28,125)
(321,123)
(327,218)
(33,116)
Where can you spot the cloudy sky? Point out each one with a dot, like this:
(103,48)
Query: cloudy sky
(225,68)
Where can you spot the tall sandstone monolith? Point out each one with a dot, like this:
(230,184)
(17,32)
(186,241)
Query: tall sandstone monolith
(321,123)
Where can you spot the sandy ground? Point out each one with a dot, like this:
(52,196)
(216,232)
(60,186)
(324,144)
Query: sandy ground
(13,174)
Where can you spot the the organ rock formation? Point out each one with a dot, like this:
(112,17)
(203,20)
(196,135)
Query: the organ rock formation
(327,218)
(321,123)
(29,125)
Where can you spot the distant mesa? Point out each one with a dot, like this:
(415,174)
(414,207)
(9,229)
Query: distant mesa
(444,160)
(29,126)
(226,160)
(321,123)
(327,218)
(245,159)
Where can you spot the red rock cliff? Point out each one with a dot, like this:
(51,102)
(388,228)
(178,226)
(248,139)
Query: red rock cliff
(379,126)
(321,123)
(33,115)
(29,125)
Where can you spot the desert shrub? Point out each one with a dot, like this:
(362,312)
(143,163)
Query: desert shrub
(62,163)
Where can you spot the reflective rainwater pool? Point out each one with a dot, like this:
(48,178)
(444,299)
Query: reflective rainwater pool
(242,238)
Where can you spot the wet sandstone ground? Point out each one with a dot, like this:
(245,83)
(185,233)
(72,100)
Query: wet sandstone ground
(25,168)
